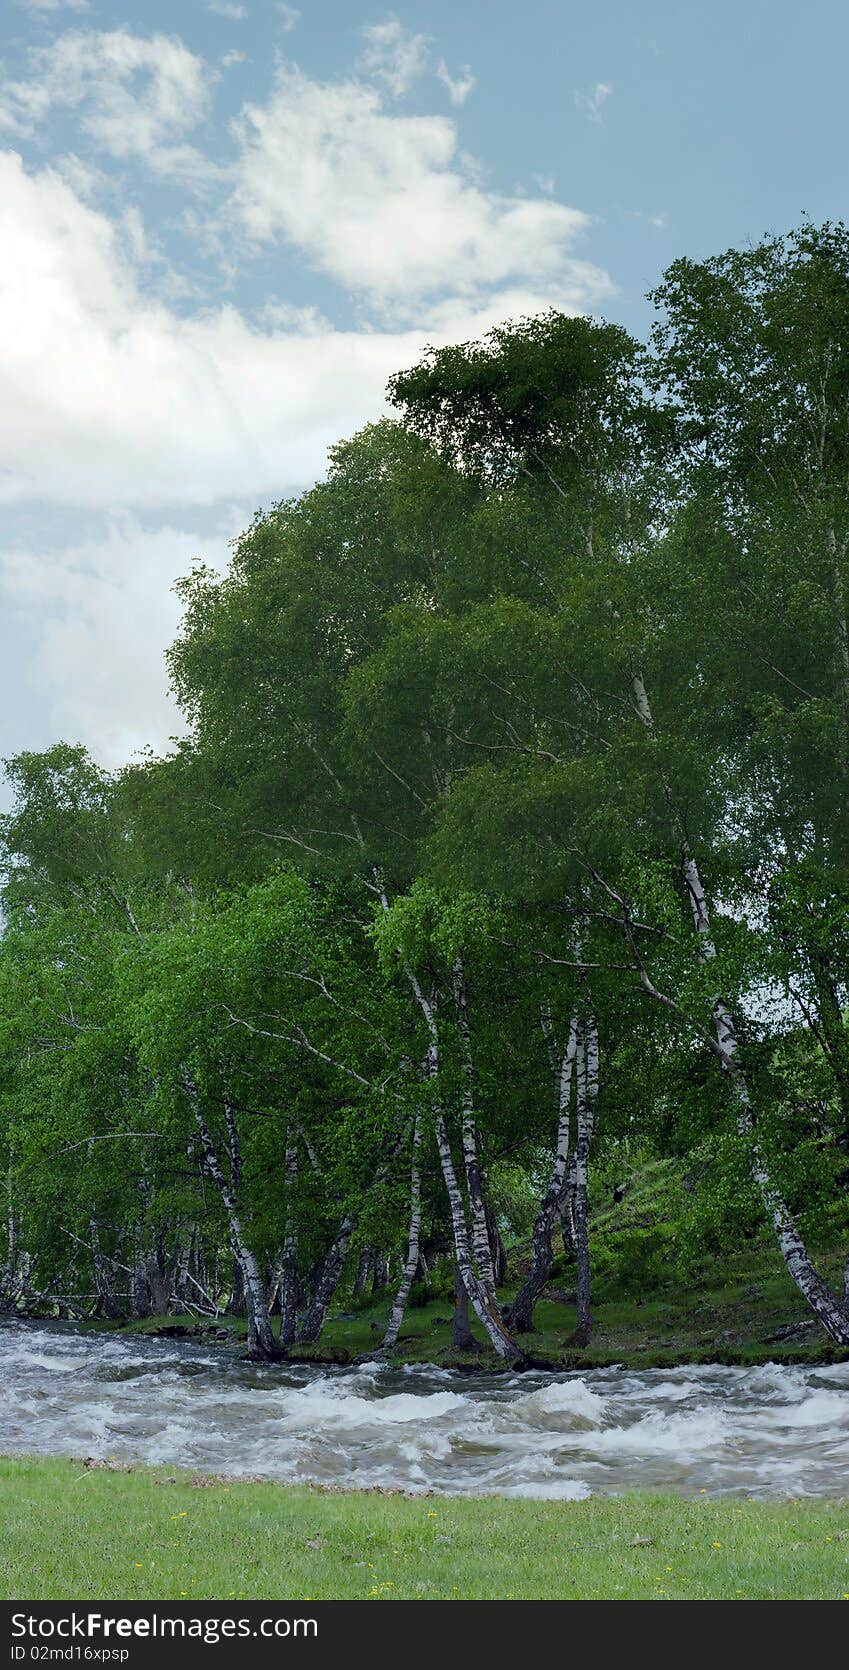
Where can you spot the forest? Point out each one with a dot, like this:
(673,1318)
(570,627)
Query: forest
(505,848)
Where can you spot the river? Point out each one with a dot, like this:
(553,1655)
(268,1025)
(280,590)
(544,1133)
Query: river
(768,1431)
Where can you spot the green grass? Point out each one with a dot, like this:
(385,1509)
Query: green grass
(649,1311)
(729,1317)
(76,1533)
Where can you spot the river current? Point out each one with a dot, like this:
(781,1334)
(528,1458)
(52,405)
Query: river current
(769,1431)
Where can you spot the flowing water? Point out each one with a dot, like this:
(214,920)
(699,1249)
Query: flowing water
(767,1431)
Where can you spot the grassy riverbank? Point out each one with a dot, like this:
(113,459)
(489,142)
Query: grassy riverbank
(745,1310)
(653,1306)
(71,1532)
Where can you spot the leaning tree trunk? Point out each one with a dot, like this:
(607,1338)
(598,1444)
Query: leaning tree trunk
(334,1263)
(484,1304)
(462,1338)
(261,1347)
(238,1298)
(497,1249)
(362,1275)
(399,1303)
(587,1077)
(315,1315)
(106,1304)
(520,1316)
(567,1212)
(481,1249)
(832,1312)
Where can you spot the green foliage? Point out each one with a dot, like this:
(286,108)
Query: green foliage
(463,718)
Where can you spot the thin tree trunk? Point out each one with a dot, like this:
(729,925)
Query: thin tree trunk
(587,1081)
(363,1268)
(520,1316)
(567,1213)
(238,1298)
(106,1303)
(831,1312)
(396,1314)
(315,1315)
(462,1338)
(261,1345)
(474,1183)
(289,1262)
(485,1306)
(497,1249)
(7,1279)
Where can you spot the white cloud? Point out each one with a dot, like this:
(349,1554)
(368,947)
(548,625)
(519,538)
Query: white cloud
(386,205)
(102,612)
(117,399)
(135,96)
(225,8)
(459,87)
(108,396)
(231,58)
(393,55)
(289,16)
(54,5)
(592,103)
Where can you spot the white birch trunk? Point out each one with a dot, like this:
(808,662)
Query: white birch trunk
(289,1260)
(484,1305)
(261,1345)
(833,1314)
(520,1316)
(481,1248)
(587,1077)
(396,1314)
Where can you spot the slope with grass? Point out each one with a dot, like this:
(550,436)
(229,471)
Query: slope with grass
(653,1306)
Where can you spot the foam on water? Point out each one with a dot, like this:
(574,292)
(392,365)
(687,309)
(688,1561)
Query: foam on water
(770,1430)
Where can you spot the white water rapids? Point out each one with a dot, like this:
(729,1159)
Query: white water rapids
(768,1431)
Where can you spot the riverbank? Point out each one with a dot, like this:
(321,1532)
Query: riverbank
(744,1312)
(72,1531)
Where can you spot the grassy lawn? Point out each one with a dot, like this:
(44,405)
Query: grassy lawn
(67,1532)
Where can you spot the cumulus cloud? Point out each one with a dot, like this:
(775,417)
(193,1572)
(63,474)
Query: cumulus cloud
(386,205)
(145,415)
(134,96)
(393,55)
(109,396)
(101,614)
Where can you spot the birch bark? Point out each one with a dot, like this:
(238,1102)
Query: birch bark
(831,1312)
(399,1303)
(520,1316)
(481,1248)
(261,1345)
(484,1305)
(289,1261)
(587,1091)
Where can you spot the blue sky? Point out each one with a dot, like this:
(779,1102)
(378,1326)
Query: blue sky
(226,223)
